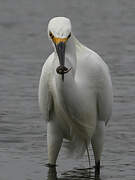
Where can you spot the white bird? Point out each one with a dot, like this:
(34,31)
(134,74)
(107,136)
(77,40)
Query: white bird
(75,94)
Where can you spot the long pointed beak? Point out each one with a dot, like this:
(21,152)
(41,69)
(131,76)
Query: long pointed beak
(60,48)
(60,45)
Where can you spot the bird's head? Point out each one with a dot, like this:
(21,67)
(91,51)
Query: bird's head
(59,31)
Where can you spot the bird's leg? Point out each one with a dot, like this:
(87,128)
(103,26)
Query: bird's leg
(97,144)
(54,142)
(97,168)
(52,173)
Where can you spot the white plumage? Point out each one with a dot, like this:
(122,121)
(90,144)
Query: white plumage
(78,106)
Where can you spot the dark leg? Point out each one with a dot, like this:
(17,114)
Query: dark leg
(97,168)
(52,173)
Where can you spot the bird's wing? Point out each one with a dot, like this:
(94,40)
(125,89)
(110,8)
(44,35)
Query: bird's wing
(45,98)
(98,73)
(105,94)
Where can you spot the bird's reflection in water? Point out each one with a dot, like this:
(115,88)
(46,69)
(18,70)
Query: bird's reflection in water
(75,174)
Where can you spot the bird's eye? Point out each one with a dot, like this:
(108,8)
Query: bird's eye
(69,36)
(51,35)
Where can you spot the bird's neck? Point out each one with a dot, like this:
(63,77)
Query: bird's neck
(66,88)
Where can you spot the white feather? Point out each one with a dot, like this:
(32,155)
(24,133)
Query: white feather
(85,96)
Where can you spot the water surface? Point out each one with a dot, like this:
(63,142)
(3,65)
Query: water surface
(108,27)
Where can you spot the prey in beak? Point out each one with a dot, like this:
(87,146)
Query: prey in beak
(60,44)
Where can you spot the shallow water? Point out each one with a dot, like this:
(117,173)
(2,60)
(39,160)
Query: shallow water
(108,27)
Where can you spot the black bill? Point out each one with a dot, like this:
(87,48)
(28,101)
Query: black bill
(60,48)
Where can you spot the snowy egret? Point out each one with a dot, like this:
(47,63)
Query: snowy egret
(75,94)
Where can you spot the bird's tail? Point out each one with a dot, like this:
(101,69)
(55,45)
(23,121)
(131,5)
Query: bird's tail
(80,140)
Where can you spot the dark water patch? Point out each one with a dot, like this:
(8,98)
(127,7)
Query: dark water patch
(9,25)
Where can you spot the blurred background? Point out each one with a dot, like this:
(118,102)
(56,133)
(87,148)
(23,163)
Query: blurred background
(107,27)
